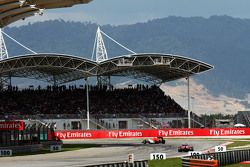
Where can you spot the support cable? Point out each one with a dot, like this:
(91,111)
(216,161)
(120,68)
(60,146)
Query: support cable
(19,43)
(93,51)
(117,42)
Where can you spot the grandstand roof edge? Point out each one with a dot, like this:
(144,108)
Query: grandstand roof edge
(112,58)
(51,54)
(161,54)
(150,67)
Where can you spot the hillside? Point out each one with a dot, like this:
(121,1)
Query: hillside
(219,40)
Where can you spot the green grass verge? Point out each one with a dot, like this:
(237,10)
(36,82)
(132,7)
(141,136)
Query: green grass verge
(237,143)
(173,162)
(237,165)
(176,162)
(65,147)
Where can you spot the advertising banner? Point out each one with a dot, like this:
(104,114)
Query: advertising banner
(15,125)
(99,134)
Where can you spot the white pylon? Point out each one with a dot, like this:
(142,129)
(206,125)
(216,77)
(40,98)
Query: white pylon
(99,47)
(3,50)
(101,52)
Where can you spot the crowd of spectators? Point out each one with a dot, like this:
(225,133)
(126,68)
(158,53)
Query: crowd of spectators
(143,100)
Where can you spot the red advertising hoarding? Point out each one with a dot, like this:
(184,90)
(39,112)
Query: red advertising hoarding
(99,134)
(15,125)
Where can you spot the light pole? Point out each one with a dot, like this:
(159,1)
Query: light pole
(188,91)
(192,107)
(87,95)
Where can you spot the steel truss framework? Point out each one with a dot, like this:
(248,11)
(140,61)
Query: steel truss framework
(13,10)
(59,68)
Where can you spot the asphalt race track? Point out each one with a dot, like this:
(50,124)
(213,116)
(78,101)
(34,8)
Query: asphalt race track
(111,151)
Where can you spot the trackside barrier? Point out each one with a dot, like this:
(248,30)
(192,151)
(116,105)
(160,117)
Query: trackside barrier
(145,133)
(123,164)
(224,158)
(199,163)
(24,149)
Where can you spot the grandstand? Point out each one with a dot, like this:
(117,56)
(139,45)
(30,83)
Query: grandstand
(60,69)
(138,107)
(108,107)
(93,107)
(101,106)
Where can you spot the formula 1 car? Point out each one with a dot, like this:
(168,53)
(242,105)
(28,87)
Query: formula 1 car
(155,140)
(185,148)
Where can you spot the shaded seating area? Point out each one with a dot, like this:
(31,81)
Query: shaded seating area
(140,100)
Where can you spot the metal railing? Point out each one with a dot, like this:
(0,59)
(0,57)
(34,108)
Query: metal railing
(146,121)
(106,115)
(143,163)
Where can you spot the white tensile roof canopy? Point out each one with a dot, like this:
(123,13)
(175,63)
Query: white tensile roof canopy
(58,68)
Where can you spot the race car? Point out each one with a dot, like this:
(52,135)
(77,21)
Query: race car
(185,148)
(155,140)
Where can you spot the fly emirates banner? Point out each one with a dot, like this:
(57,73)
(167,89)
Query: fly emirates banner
(99,134)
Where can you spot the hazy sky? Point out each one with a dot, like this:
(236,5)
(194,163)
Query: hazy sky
(117,12)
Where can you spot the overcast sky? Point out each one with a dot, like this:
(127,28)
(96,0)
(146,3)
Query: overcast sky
(118,12)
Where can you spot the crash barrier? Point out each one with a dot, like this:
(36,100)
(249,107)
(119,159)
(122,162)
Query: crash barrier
(47,144)
(143,163)
(224,158)
(31,148)
(145,133)
(24,149)
(199,163)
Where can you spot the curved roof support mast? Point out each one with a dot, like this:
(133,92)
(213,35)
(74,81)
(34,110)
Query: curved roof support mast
(100,55)
(4,81)
(3,49)
(99,47)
